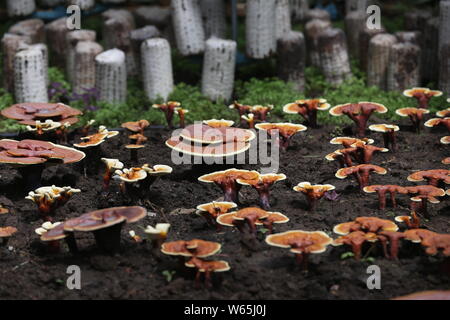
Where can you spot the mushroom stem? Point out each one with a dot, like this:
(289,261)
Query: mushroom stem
(264,194)
(53,246)
(390,140)
(361,123)
(302,260)
(71,243)
(107,178)
(32,176)
(421,207)
(382,199)
(182,119)
(134,155)
(108,239)
(231,191)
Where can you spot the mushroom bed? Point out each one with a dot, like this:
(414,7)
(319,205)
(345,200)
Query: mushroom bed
(258,271)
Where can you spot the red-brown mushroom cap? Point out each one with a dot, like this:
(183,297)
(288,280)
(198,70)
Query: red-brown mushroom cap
(443,113)
(426,191)
(316,191)
(28,152)
(445,140)
(366,224)
(214,123)
(446,161)
(355,238)
(130,175)
(213,150)
(7,232)
(28,113)
(345,172)
(208,266)
(92,140)
(347,141)
(438,121)
(384,128)
(285,129)
(3,210)
(432,241)
(168,104)
(299,105)
(277,217)
(426,295)
(136,126)
(406,112)
(387,187)
(357,108)
(205,134)
(439,174)
(240,107)
(300,241)
(193,248)
(411,93)
(417,235)
(230,174)
(268,178)
(216,208)
(253,213)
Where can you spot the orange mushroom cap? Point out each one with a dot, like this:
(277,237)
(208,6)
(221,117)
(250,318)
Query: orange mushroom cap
(136,126)
(443,113)
(357,108)
(406,112)
(445,140)
(384,127)
(367,224)
(387,187)
(438,121)
(285,129)
(317,191)
(426,191)
(300,241)
(355,238)
(205,134)
(208,266)
(347,141)
(214,150)
(439,174)
(230,174)
(426,295)
(268,178)
(193,248)
(3,210)
(411,93)
(7,232)
(258,214)
(217,208)
(28,113)
(345,172)
(299,105)
(130,175)
(92,140)
(214,123)
(446,161)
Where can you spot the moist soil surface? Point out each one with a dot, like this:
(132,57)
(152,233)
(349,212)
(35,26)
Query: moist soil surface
(258,271)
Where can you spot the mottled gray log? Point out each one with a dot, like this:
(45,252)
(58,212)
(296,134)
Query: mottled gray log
(157,68)
(291,61)
(111,76)
(282,18)
(404,67)
(299,9)
(334,58)
(312,30)
(84,73)
(364,39)
(188,26)
(356,5)
(416,19)
(414,37)
(318,14)
(10,45)
(56,32)
(430,56)
(20,8)
(378,59)
(137,37)
(29,76)
(152,15)
(355,22)
(444,23)
(214,18)
(83,4)
(218,69)
(72,39)
(260,28)
(444,70)
(33,28)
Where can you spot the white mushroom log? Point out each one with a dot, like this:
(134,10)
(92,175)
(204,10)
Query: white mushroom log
(157,68)
(355,21)
(334,58)
(430,56)
(84,73)
(33,28)
(378,59)
(413,37)
(30,76)
(283,18)
(214,18)
(364,40)
(10,45)
(218,69)
(320,14)
(291,62)
(356,5)
(72,39)
(444,69)
(44,49)
(188,26)
(260,28)
(20,8)
(111,76)
(444,23)
(404,67)
(83,4)
(56,32)
(416,19)
(137,37)
(313,29)
(299,9)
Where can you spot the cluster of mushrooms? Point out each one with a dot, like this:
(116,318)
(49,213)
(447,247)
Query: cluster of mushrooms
(215,138)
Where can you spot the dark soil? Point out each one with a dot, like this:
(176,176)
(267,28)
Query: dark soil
(258,272)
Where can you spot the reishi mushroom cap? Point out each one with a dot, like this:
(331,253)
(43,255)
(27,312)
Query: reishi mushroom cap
(7,232)
(443,113)
(193,248)
(228,219)
(214,123)
(427,191)
(130,175)
(300,241)
(113,164)
(28,152)
(230,174)
(426,295)
(437,121)
(357,108)
(387,187)
(91,140)
(347,141)
(135,126)
(269,178)
(384,127)
(406,112)
(307,187)
(345,172)
(205,134)
(28,113)
(441,174)
(431,93)
(217,207)
(285,128)
(297,106)
(46,125)
(159,231)
(157,170)
(3,210)
(213,151)
(355,237)
(367,224)
(211,266)
(445,140)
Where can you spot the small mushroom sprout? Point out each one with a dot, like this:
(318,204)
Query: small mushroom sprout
(359,113)
(169,110)
(138,138)
(301,243)
(111,165)
(282,131)
(5,234)
(307,109)
(262,184)
(210,211)
(157,234)
(313,193)
(182,115)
